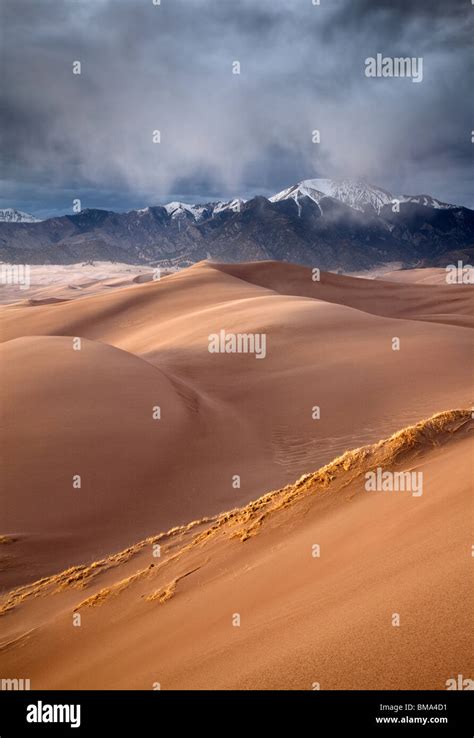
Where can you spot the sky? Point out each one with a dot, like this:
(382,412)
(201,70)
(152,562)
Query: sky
(170,68)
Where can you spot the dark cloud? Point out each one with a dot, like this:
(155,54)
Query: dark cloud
(169,67)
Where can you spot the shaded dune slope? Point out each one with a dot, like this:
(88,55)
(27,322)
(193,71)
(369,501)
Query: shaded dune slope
(305,619)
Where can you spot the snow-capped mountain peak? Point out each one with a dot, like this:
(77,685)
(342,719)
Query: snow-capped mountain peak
(234,205)
(12,215)
(178,209)
(356,194)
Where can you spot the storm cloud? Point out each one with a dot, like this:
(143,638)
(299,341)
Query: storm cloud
(169,67)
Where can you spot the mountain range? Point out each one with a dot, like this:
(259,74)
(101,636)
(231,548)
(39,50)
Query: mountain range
(342,224)
(12,215)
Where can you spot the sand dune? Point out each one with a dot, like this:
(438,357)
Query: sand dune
(447,304)
(73,281)
(431,275)
(89,412)
(305,620)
